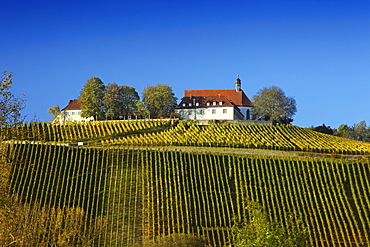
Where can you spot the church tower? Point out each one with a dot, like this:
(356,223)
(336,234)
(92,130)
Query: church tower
(238,84)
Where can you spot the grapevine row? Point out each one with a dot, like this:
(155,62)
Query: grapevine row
(143,193)
(78,131)
(279,137)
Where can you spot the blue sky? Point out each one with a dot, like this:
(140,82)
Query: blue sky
(316,51)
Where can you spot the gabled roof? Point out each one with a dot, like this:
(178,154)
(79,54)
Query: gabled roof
(237,98)
(73,105)
(201,101)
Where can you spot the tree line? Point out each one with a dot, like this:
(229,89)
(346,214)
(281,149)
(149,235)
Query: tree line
(359,131)
(112,101)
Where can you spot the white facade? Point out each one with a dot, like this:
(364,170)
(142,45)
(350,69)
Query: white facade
(215,104)
(213,113)
(71,116)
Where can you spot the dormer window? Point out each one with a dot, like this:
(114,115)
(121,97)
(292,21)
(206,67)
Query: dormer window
(208,103)
(197,104)
(221,103)
(190,104)
(214,103)
(183,104)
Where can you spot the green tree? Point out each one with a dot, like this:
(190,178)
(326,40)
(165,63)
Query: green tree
(119,100)
(129,98)
(359,132)
(10,105)
(159,99)
(271,104)
(112,101)
(256,230)
(362,132)
(141,110)
(54,111)
(323,129)
(91,98)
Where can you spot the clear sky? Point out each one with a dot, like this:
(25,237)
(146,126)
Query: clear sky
(317,51)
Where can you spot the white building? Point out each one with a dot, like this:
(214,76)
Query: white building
(72,113)
(215,104)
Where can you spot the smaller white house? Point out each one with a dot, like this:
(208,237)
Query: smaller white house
(215,104)
(72,113)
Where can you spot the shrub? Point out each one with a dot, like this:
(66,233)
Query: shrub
(177,240)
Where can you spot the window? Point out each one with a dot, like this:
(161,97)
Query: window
(73,113)
(208,103)
(67,113)
(197,104)
(221,103)
(183,104)
(190,104)
(201,112)
(224,111)
(215,103)
(189,112)
(213,111)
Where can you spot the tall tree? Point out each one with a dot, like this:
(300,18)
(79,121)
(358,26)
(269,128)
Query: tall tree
(112,101)
(271,104)
(91,98)
(129,98)
(10,105)
(159,99)
(119,100)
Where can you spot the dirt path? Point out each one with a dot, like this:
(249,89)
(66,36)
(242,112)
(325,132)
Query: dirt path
(260,152)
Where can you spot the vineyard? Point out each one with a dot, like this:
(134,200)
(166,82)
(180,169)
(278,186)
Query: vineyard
(154,133)
(280,137)
(79,131)
(144,190)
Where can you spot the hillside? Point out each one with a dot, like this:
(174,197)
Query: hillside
(187,133)
(149,178)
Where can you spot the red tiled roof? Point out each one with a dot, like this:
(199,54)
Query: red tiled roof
(237,98)
(73,105)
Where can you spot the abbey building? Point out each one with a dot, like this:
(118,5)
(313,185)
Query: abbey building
(215,104)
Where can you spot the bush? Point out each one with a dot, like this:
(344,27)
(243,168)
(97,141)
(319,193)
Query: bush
(256,230)
(26,225)
(177,240)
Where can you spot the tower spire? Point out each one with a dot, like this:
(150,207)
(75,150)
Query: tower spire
(238,84)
